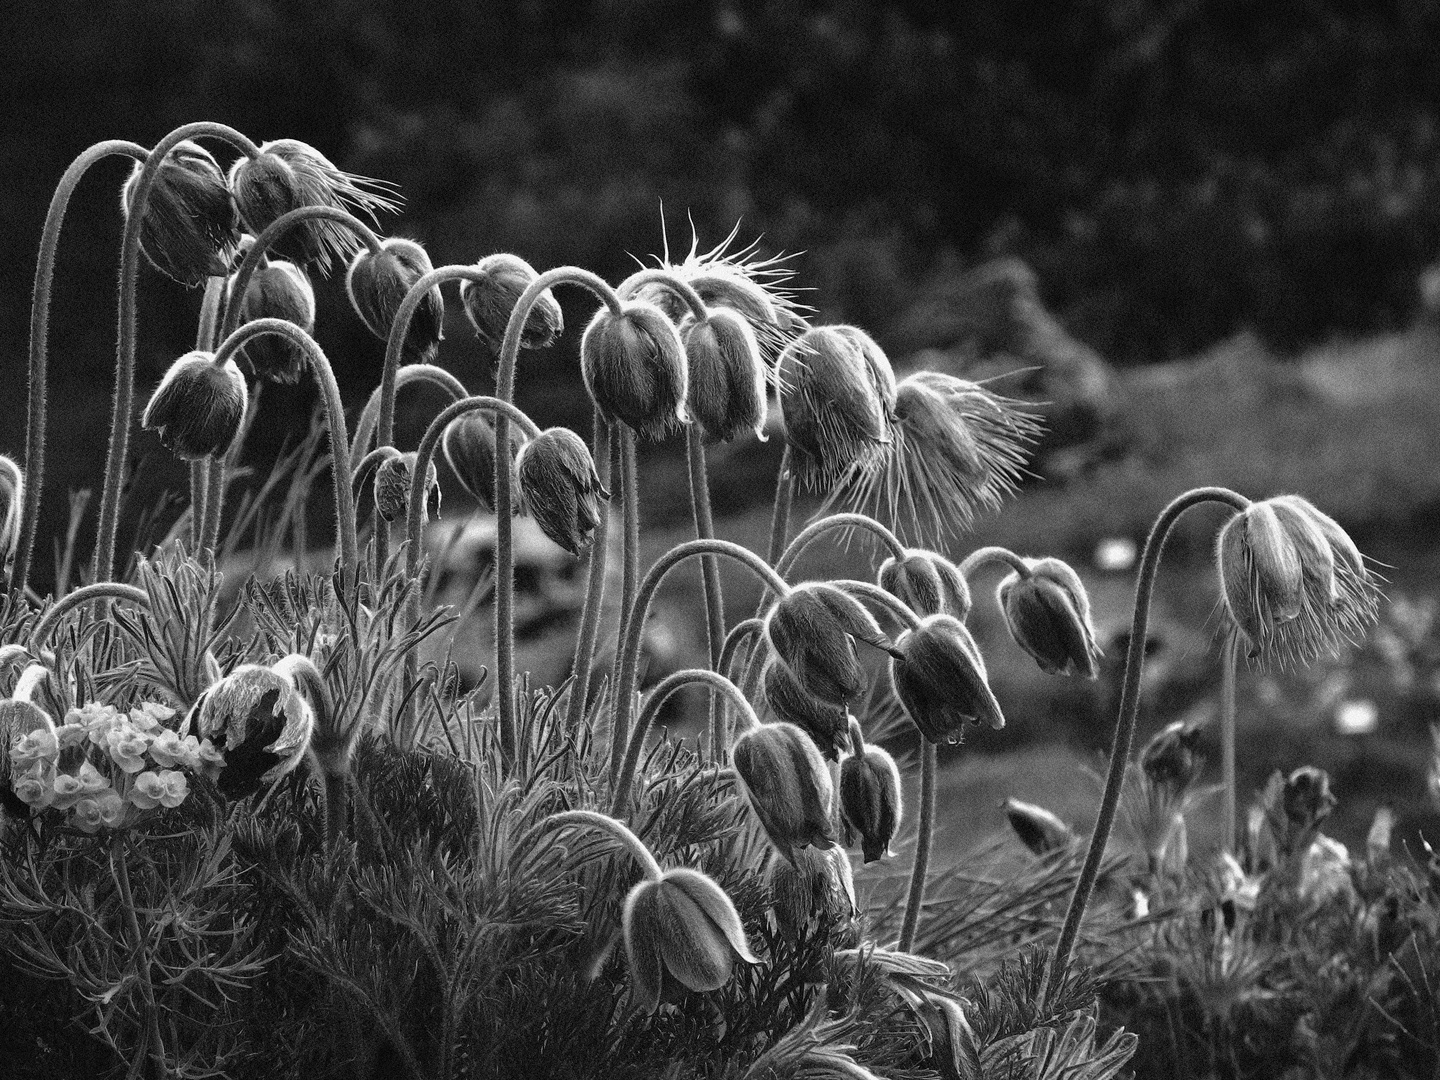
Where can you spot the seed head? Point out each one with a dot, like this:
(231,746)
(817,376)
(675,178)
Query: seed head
(681,933)
(392,487)
(939,677)
(787,785)
(377,284)
(811,629)
(260,721)
(833,402)
(277,290)
(1038,829)
(633,364)
(469,445)
(560,487)
(870,798)
(488,303)
(198,406)
(12,502)
(1048,615)
(190,227)
(727,376)
(817,889)
(927,583)
(826,724)
(1171,759)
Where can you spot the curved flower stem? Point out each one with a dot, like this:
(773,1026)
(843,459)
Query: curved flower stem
(1125,722)
(659,276)
(816,529)
(1227,742)
(667,686)
(123,403)
(334,420)
(981,557)
(720,729)
(71,600)
(410,373)
(581,666)
(368,464)
(40,343)
(709,565)
(868,590)
(617,829)
(925,830)
(635,622)
(142,954)
(780,513)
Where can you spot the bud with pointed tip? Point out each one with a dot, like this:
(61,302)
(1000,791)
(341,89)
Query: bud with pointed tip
(469,445)
(190,226)
(836,418)
(260,721)
(1047,612)
(1038,829)
(12,501)
(277,290)
(817,888)
(811,629)
(560,487)
(870,797)
(1171,760)
(726,392)
(392,487)
(634,368)
(377,284)
(787,785)
(826,724)
(198,406)
(488,303)
(927,583)
(940,678)
(681,933)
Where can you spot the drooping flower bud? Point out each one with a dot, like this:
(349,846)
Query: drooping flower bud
(1306,798)
(288,174)
(940,678)
(259,721)
(633,364)
(392,487)
(198,406)
(1171,759)
(826,724)
(489,303)
(1038,829)
(560,487)
(469,445)
(1048,614)
(787,785)
(377,284)
(835,415)
(870,797)
(190,226)
(927,583)
(817,889)
(277,290)
(811,630)
(681,933)
(12,502)
(727,377)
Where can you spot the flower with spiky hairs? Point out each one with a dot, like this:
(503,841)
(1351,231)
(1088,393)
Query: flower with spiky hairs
(278,290)
(927,583)
(1293,583)
(817,888)
(1047,612)
(190,227)
(469,445)
(836,420)
(634,368)
(561,488)
(377,283)
(12,500)
(826,724)
(939,676)
(198,406)
(956,450)
(489,302)
(870,804)
(392,487)
(787,785)
(1038,829)
(259,720)
(812,630)
(726,387)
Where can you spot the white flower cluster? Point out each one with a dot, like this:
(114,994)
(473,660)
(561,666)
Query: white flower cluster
(105,767)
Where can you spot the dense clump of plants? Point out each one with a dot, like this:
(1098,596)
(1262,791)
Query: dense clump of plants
(259,838)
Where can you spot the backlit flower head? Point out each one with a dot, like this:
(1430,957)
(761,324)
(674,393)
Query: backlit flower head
(633,364)
(1047,612)
(939,676)
(278,290)
(190,227)
(469,445)
(812,630)
(561,488)
(393,477)
(826,724)
(377,284)
(259,721)
(198,406)
(870,804)
(489,303)
(726,394)
(836,419)
(787,785)
(927,583)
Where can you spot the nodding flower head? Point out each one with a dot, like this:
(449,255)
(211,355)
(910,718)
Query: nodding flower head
(833,399)
(927,583)
(392,487)
(682,933)
(1047,612)
(561,488)
(469,445)
(489,302)
(787,785)
(377,284)
(1171,760)
(190,227)
(198,406)
(1038,829)
(12,502)
(940,679)
(1306,798)
(816,890)
(812,630)
(260,721)
(826,724)
(957,451)
(277,290)
(634,368)
(726,393)
(288,174)
(869,797)
(1293,582)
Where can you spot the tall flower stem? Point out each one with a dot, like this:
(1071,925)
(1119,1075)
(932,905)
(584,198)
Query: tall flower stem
(123,402)
(632,843)
(920,870)
(199,470)
(740,634)
(142,955)
(780,513)
(630,523)
(667,686)
(113,590)
(1125,722)
(40,343)
(1228,658)
(705,530)
(580,668)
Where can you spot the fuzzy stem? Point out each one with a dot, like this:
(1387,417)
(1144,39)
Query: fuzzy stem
(102,567)
(1227,743)
(336,801)
(709,565)
(916,899)
(667,686)
(40,343)
(780,514)
(630,502)
(370,415)
(1125,722)
(816,529)
(71,600)
(617,829)
(980,557)
(204,481)
(580,667)
(720,729)
(868,590)
(199,481)
(142,954)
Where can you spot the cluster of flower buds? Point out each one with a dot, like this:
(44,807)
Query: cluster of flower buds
(260,719)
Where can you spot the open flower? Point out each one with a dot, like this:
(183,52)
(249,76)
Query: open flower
(105,810)
(1047,612)
(164,788)
(927,583)
(633,364)
(259,721)
(278,290)
(811,629)
(561,488)
(787,785)
(190,226)
(127,747)
(490,301)
(198,406)
(940,679)
(377,284)
(35,785)
(836,419)
(726,393)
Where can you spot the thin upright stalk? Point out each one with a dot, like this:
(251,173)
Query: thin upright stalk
(199,481)
(720,729)
(142,955)
(920,870)
(1229,656)
(705,530)
(70,601)
(200,472)
(630,498)
(1125,722)
(780,512)
(40,344)
(581,666)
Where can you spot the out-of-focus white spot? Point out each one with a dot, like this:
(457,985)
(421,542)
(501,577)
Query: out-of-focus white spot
(1115,553)
(1359,716)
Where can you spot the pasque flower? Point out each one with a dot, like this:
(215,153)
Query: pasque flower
(869,796)
(469,445)
(560,487)
(927,583)
(1038,829)
(377,284)
(826,724)
(392,487)
(1047,612)
(12,501)
(726,393)
(190,226)
(812,630)
(940,679)
(787,785)
(261,723)
(818,887)
(633,364)
(278,290)
(198,406)
(837,419)
(489,302)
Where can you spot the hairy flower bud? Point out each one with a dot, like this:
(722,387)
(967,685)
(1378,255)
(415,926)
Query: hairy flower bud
(836,417)
(190,226)
(816,890)
(727,377)
(469,445)
(560,487)
(940,678)
(489,303)
(392,487)
(277,290)
(826,724)
(927,583)
(870,799)
(1171,759)
(811,630)
(198,406)
(377,284)
(261,723)
(681,933)
(12,502)
(787,785)
(1038,829)
(1048,614)
(634,368)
